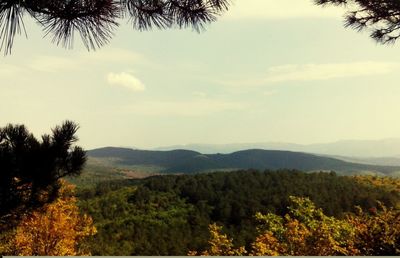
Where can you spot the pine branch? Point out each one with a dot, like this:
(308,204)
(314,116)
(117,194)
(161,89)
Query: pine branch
(381,17)
(96,20)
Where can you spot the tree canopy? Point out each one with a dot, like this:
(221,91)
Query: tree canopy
(30,169)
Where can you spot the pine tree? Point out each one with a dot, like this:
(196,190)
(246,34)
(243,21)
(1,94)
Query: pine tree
(30,169)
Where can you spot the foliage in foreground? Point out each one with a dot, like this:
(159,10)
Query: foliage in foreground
(306,230)
(56,229)
(139,217)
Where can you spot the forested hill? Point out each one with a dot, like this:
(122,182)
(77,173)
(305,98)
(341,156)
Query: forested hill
(185,161)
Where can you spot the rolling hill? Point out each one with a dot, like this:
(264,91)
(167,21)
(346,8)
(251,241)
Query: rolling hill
(347,148)
(186,161)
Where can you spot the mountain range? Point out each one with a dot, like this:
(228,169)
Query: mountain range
(188,161)
(349,148)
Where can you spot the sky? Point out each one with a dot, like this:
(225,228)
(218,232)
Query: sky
(267,70)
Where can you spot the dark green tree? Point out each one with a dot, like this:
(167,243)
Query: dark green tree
(30,169)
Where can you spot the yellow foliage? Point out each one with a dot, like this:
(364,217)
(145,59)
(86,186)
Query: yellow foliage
(296,235)
(388,183)
(305,230)
(267,245)
(220,244)
(57,229)
(377,231)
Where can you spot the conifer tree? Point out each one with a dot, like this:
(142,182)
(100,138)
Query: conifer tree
(30,169)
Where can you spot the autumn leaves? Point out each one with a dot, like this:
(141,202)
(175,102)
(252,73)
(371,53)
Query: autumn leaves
(306,230)
(56,229)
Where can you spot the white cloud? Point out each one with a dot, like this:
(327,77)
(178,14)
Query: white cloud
(195,108)
(125,80)
(280,9)
(317,72)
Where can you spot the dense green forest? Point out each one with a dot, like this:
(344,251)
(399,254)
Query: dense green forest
(169,215)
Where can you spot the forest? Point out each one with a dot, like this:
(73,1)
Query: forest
(170,215)
(244,212)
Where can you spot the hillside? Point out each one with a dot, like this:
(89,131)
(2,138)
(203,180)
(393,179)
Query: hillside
(185,161)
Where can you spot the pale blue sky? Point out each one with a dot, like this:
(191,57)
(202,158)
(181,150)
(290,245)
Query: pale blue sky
(269,70)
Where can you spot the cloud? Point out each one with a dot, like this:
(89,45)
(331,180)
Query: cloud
(280,9)
(194,108)
(317,72)
(125,80)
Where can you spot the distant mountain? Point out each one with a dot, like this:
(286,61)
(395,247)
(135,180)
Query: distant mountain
(381,161)
(128,156)
(353,148)
(229,148)
(350,148)
(185,161)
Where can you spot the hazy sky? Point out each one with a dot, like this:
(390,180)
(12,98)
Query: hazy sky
(268,70)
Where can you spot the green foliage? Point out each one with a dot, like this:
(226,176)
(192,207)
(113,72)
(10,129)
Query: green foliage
(155,225)
(169,215)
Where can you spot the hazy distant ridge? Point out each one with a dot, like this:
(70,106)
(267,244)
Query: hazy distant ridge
(350,148)
(185,161)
